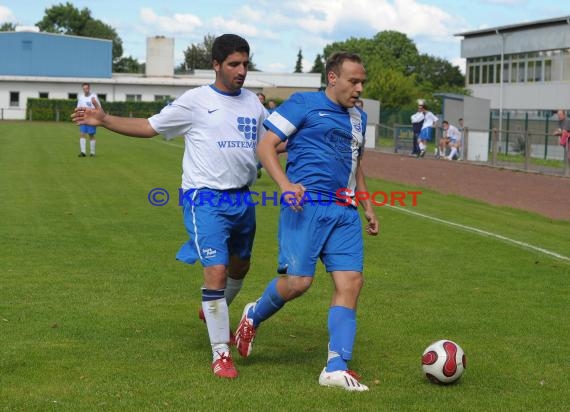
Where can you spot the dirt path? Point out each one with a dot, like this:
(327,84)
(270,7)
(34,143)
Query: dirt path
(546,195)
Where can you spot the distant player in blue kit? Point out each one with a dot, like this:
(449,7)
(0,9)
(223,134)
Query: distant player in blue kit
(325,140)
(221,124)
(85,100)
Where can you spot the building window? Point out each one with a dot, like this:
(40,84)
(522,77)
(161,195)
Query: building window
(72,96)
(14,99)
(43,95)
(520,77)
(102,97)
(161,97)
(134,97)
(548,70)
(566,64)
(506,72)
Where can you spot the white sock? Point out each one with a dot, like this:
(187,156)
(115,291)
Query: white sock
(218,350)
(217,321)
(92,146)
(82,144)
(422,146)
(233,286)
(453,152)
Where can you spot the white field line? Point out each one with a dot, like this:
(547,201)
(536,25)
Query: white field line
(481,232)
(465,228)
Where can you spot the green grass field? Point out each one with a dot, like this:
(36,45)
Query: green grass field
(96,314)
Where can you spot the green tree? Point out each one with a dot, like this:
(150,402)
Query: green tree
(299,63)
(67,19)
(397,73)
(8,26)
(128,65)
(438,72)
(199,56)
(319,67)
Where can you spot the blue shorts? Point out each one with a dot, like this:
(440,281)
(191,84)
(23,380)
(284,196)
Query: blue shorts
(332,233)
(87,129)
(425,134)
(218,228)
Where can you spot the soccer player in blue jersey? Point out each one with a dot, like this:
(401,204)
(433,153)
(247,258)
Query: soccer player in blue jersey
(221,125)
(325,141)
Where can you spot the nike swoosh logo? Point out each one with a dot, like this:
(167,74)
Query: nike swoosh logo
(323,114)
(213,110)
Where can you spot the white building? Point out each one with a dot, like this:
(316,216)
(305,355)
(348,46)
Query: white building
(36,59)
(521,66)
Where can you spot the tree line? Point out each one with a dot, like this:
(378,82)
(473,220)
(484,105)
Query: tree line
(398,74)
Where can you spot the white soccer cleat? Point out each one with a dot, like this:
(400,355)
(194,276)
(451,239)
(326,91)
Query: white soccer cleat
(347,380)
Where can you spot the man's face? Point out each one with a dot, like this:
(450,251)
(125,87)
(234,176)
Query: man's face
(85,88)
(230,74)
(561,115)
(346,86)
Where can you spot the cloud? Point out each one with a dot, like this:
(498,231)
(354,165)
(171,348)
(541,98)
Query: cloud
(6,15)
(177,23)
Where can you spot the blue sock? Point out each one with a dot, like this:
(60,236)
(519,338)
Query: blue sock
(342,332)
(269,303)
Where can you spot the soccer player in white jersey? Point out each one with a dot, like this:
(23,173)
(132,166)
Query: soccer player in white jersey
(325,141)
(454,139)
(428,127)
(85,100)
(221,125)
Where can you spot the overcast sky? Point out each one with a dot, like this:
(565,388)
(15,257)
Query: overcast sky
(276,29)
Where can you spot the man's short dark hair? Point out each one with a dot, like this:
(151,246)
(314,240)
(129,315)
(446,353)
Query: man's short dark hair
(335,61)
(227,44)
(445,122)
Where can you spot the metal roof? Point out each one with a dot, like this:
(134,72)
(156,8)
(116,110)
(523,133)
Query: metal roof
(517,27)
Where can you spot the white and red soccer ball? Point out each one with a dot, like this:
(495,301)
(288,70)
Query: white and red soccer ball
(443,362)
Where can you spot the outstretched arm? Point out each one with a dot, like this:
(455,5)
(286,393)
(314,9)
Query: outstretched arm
(129,126)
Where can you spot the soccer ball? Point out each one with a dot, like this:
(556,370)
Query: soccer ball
(443,362)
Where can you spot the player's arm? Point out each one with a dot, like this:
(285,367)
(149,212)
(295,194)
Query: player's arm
(373,226)
(129,126)
(267,152)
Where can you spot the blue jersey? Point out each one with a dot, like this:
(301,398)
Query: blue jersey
(324,142)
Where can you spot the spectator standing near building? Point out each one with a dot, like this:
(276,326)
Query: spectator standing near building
(417,120)
(563,131)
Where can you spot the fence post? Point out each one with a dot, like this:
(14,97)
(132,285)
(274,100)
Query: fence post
(465,144)
(2,114)
(395,139)
(57,115)
(526,149)
(566,160)
(494,147)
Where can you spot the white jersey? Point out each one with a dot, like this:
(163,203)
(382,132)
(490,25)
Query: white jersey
(430,120)
(85,101)
(221,132)
(453,134)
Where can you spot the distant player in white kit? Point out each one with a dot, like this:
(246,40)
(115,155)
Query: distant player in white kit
(85,100)
(221,125)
